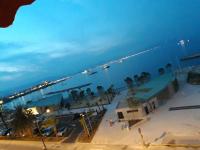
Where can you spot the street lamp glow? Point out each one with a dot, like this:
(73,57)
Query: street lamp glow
(48,111)
(1,102)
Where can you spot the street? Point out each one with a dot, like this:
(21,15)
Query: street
(22,145)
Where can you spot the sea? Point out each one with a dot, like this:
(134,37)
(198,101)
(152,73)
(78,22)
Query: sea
(147,60)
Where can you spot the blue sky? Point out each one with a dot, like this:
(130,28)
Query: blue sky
(52,38)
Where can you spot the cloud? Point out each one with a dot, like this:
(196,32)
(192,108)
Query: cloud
(10,77)
(10,68)
(59,49)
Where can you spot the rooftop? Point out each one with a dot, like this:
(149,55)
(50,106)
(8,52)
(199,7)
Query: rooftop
(128,103)
(154,86)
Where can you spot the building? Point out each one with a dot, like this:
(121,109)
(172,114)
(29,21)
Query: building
(47,104)
(148,97)
(194,76)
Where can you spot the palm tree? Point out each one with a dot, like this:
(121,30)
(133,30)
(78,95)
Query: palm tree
(82,94)
(75,95)
(89,92)
(111,91)
(101,92)
(23,122)
(68,105)
(3,121)
(88,105)
(136,77)
(168,67)
(62,103)
(107,96)
(161,71)
(129,83)
(92,94)
(101,102)
(97,104)
(145,76)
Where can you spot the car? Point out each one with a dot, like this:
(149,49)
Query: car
(48,131)
(6,132)
(64,131)
(1,132)
(61,131)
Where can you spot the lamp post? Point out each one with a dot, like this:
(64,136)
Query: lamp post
(83,122)
(1,114)
(142,138)
(42,139)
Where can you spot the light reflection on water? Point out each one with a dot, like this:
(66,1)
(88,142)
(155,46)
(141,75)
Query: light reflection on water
(149,61)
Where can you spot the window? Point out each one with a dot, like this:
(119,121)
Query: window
(120,115)
(131,111)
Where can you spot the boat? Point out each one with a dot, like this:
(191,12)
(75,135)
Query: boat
(89,72)
(105,67)
(92,73)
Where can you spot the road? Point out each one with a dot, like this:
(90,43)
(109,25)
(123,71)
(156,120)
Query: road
(21,145)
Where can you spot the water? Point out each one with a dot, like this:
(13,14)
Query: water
(149,61)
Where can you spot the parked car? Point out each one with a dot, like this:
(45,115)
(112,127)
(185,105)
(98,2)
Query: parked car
(1,132)
(61,131)
(48,131)
(6,132)
(64,131)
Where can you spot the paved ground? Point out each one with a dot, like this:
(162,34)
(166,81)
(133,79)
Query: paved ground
(75,133)
(162,122)
(14,145)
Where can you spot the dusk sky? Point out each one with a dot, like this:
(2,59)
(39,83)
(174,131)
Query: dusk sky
(53,38)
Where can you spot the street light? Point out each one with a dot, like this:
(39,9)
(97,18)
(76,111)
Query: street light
(48,110)
(42,139)
(1,114)
(83,122)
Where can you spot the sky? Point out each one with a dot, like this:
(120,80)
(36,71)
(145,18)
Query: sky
(53,38)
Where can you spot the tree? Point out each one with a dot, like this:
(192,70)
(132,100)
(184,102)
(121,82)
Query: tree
(89,91)
(3,121)
(101,92)
(62,103)
(92,94)
(168,67)
(68,105)
(129,82)
(111,90)
(23,122)
(136,77)
(2,114)
(75,95)
(161,71)
(107,96)
(101,103)
(98,106)
(88,105)
(145,77)
(82,94)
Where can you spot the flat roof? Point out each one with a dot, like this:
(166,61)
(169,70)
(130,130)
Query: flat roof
(153,87)
(128,103)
